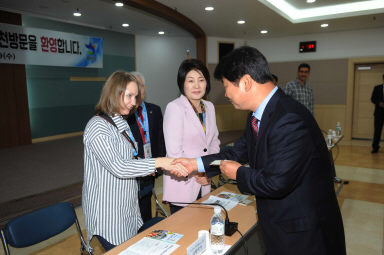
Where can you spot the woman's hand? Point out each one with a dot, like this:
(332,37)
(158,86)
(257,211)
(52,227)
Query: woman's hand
(202,179)
(175,169)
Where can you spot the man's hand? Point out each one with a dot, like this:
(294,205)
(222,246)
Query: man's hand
(189,163)
(169,165)
(381,104)
(229,168)
(178,169)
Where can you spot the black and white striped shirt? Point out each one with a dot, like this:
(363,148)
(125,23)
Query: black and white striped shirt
(110,191)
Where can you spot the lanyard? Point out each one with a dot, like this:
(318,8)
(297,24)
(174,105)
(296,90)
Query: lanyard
(200,116)
(145,125)
(131,140)
(128,136)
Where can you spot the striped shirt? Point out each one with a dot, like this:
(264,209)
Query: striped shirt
(110,190)
(300,93)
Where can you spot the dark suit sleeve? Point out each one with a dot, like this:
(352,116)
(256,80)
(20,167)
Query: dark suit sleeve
(238,153)
(376,95)
(290,148)
(160,138)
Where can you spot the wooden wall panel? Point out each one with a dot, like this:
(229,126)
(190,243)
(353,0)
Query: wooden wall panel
(327,115)
(230,119)
(14,122)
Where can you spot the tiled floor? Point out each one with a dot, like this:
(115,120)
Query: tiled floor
(361,202)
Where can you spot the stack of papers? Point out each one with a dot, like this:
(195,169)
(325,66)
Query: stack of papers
(158,242)
(228,200)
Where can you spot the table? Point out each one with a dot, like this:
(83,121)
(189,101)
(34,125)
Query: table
(193,218)
(338,180)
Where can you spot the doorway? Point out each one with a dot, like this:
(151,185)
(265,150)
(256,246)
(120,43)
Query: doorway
(367,76)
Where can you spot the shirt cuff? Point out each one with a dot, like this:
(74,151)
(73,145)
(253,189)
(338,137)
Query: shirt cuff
(200,165)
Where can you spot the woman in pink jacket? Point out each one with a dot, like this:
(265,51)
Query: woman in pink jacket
(189,131)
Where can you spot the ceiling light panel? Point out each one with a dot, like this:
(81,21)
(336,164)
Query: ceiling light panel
(296,15)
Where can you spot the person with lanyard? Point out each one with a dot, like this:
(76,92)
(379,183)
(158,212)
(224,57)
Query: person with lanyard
(147,127)
(289,170)
(189,131)
(111,165)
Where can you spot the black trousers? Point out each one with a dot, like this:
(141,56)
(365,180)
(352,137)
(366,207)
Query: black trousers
(145,204)
(379,121)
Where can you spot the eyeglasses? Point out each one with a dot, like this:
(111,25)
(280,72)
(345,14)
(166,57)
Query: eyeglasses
(303,71)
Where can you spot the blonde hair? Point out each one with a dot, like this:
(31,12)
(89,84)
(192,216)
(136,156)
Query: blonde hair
(113,91)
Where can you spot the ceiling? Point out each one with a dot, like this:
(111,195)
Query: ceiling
(221,22)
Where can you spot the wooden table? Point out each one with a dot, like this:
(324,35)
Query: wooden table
(193,218)
(338,181)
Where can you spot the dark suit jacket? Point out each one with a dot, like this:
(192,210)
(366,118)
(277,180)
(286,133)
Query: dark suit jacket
(290,174)
(376,98)
(155,123)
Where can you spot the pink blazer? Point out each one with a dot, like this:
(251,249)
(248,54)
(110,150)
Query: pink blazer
(184,137)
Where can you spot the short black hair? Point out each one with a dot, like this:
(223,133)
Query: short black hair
(275,77)
(304,65)
(242,61)
(192,64)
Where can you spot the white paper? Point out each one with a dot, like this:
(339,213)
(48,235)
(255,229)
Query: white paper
(240,198)
(215,163)
(226,203)
(150,246)
(198,246)
(209,252)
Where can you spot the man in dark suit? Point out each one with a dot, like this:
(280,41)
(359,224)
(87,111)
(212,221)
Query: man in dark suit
(290,170)
(378,99)
(147,128)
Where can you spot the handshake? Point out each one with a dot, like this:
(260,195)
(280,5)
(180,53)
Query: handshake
(185,166)
(178,167)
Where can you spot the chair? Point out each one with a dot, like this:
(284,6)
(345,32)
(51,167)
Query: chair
(146,190)
(40,225)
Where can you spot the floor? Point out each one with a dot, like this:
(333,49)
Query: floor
(361,202)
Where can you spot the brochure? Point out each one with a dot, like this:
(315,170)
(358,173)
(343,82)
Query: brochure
(164,235)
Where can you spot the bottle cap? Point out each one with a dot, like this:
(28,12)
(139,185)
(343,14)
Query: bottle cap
(217,209)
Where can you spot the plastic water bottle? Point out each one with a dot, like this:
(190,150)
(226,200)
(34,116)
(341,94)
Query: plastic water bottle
(338,129)
(217,231)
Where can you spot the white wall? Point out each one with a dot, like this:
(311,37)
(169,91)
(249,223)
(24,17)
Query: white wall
(158,59)
(336,45)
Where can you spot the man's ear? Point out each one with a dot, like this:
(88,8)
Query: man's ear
(245,83)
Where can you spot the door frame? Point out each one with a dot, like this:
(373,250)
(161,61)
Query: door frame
(350,88)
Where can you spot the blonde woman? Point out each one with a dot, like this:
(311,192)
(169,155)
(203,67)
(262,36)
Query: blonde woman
(110,190)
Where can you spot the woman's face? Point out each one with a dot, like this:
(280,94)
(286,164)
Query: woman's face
(128,99)
(194,85)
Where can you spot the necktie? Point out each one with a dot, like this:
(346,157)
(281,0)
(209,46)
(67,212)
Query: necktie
(254,122)
(140,114)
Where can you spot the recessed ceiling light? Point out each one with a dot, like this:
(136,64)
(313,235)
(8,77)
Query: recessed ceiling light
(264,31)
(324,25)
(77,13)
(311,1)
(209,8)
(240,21)
(119,4)
(161,32)
(125,25)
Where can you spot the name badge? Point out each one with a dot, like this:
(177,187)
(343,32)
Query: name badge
(147,150)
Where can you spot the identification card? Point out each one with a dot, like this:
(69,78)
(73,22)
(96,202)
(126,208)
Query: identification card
(147,150)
